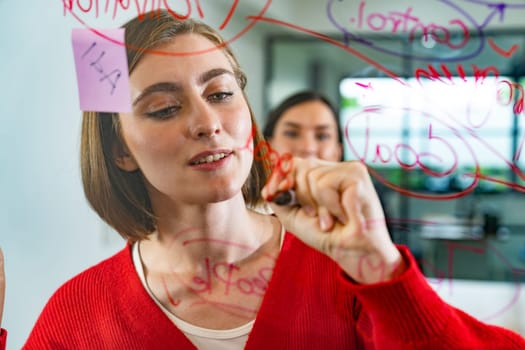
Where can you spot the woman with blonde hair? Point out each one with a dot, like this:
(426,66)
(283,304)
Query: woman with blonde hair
(176,177)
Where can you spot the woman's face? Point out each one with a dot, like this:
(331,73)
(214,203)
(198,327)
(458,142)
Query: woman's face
(189,124)
(307,130)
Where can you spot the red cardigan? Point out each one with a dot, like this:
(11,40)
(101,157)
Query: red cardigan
(309,304)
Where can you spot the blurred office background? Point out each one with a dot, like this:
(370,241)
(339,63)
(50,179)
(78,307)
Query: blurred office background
(444,147)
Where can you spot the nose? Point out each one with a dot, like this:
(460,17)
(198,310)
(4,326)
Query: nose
(203,121)
(306,147)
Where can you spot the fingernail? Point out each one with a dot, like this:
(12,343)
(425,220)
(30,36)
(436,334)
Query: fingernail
(323,222)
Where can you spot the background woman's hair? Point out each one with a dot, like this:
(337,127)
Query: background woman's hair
(293,100)
(120,198)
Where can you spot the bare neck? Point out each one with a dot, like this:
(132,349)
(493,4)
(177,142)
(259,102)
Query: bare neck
(225,231)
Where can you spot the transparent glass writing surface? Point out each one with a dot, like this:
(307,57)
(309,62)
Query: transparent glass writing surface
(438,130)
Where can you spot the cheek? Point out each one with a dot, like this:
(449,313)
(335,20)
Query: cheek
(149,144)
(238,122)
(330,152)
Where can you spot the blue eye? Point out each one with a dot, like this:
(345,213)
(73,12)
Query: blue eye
(164,113)
(220,96)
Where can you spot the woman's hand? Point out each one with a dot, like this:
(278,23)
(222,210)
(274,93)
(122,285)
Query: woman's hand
(2,285)
(339,214)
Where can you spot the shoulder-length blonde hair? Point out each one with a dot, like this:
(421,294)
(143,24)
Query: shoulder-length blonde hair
(120,198)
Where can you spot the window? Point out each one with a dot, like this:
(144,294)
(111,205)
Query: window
(429,135)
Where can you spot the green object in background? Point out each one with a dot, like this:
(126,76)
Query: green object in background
(349,102)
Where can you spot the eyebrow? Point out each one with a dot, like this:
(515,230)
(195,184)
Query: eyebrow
(297,126)
(160,87)
(175,87)
(212,73)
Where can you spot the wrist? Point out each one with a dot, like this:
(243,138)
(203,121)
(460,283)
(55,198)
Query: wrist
(375,267)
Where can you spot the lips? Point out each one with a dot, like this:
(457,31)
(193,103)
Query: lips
(209,157)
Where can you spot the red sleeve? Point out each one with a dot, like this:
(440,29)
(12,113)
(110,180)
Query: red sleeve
(3,338)
(406,313)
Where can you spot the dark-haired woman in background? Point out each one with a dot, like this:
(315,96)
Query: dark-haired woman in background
(306,125)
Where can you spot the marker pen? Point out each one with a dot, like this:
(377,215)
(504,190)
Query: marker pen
(287,198)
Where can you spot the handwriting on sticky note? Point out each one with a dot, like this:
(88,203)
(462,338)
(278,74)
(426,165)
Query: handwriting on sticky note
(102,70)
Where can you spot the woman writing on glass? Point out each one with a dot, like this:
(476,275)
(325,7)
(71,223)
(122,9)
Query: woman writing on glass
(176,176)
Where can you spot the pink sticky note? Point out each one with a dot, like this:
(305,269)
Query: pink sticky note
(102,70)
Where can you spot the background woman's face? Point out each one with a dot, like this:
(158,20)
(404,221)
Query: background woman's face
(308,130)
(189,124)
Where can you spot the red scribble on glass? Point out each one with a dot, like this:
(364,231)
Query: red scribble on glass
(174,302)
(385,154)
(69,8)
(518,108)
(361,56)
(246,286)
(515,93)
(512,167)
(369,86)
(280,164)
(183,232)
(370,266)
(365,264)
(228,308)
(453,246)
(499,50)
(480,74)
(447,275)
(216,241)
(229,15)
(433,74)
(508,184)
(220,277)
(168,8)
(155,5)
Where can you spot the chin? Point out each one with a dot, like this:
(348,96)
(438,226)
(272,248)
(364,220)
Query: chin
(224,193)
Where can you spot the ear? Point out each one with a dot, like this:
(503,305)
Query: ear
(123,159)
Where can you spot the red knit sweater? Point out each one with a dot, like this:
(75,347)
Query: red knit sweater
(309,304)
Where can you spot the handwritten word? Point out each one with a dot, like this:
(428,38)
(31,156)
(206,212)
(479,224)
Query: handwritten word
(223,274)
(141,9)
(217,279)
(404,22)
(155,6)
(383,153)
(111,77)
(417,157)
(432,74)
